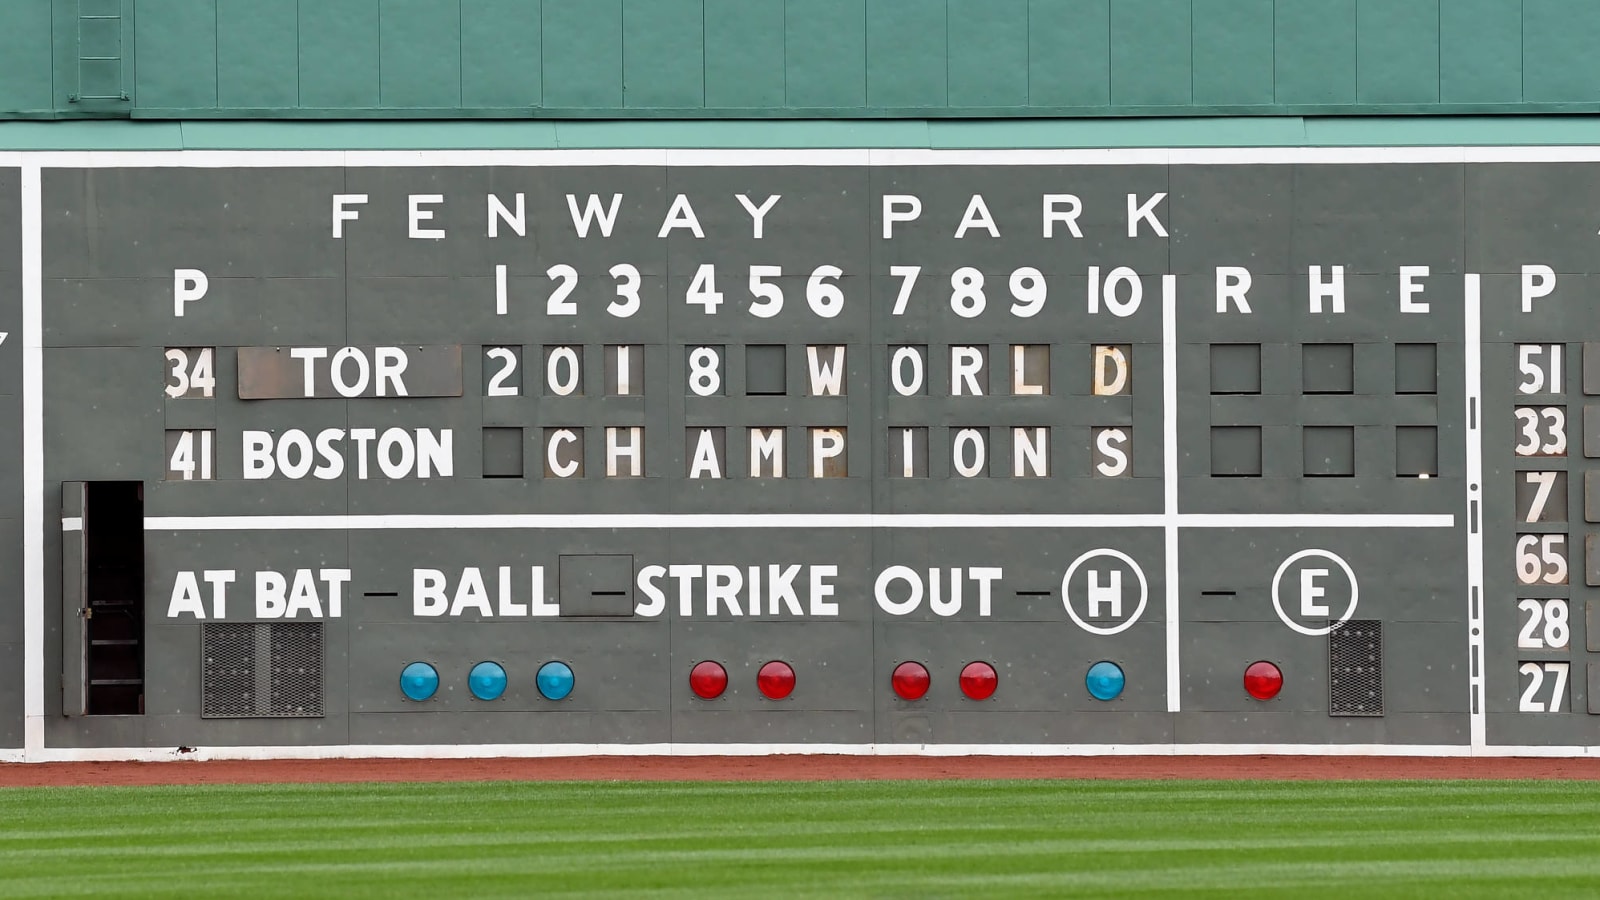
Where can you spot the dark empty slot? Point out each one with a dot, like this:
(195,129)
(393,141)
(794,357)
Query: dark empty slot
(502,453)
(380,594)
(113,597)
(1235,368)
(1327,369)
(1329,451)
(1035,593)
(764,372)
(1416,451)
(1235,451)
(1416,368)
(1218,593)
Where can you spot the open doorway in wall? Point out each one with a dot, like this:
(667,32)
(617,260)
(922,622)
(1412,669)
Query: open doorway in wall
(103,598)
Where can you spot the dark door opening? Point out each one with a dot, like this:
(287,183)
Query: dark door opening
(110,600)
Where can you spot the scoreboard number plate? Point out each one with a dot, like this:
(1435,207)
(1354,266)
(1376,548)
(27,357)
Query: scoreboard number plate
(1544,687)
(1542,558)
(191,455)
(191,372)
(1545,626)
(1539,366)
(1541,496)
(1541,431)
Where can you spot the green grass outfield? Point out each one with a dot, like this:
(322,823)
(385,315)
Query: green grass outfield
(822,839)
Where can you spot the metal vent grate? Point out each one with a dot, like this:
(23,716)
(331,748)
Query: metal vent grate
(254,670)
(1355,669)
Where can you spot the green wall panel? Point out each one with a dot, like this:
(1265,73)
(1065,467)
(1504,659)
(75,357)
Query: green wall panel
(419,53)
(339,59)
(744,66)
(1561,50)
(1150,53)
(988,57)
(1397,51)
(26,78)
(825,53)
(1480,51)
(1233,52)
(257,54)
(1315,55)
(501,54)
(176,53)
(1069,53)
(663,54)
(583,54)
(597,59)
(906,53)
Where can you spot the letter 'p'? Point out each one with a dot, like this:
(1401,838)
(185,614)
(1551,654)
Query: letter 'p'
(188,285)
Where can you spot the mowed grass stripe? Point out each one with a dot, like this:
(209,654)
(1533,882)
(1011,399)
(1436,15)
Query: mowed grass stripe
(816,839)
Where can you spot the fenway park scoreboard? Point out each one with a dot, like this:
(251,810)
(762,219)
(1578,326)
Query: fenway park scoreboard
(893,451)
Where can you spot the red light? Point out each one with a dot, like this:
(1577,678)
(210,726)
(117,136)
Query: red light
(910,680)
(776,680)
(708,680)
(978,680)
(1263,680)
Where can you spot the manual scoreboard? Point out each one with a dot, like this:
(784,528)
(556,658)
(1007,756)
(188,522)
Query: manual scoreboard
(1220,449)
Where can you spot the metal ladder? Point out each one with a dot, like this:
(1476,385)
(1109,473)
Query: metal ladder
(99,40)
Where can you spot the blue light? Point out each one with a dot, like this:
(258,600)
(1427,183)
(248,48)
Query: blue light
(487,681)
(555,680)
(418,681)
(1105,680)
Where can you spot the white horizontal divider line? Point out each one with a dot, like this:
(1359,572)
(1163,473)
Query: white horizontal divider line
(529,751)
(479,521)
(812,157)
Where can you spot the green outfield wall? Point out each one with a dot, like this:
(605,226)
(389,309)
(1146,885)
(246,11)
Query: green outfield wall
(185,59)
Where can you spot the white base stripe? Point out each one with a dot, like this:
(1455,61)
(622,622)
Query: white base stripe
(492,751)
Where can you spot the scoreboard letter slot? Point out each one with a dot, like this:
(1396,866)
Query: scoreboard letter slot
(1591,560)
(1594,689)
(1591,369)
(287,373)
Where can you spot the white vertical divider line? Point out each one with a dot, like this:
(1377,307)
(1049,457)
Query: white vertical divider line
(32,461)
(1169,475)
(1476,595)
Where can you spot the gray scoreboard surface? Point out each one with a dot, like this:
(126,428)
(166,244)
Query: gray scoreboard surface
(865,451)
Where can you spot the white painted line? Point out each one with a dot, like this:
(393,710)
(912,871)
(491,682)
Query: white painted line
(71,523)
(1314,520)
(531,751)
(1169,477)
(482,521)
(1120,156)
(32,460)
(1472,338)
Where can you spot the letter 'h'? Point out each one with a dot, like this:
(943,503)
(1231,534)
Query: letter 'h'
(1109,594)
